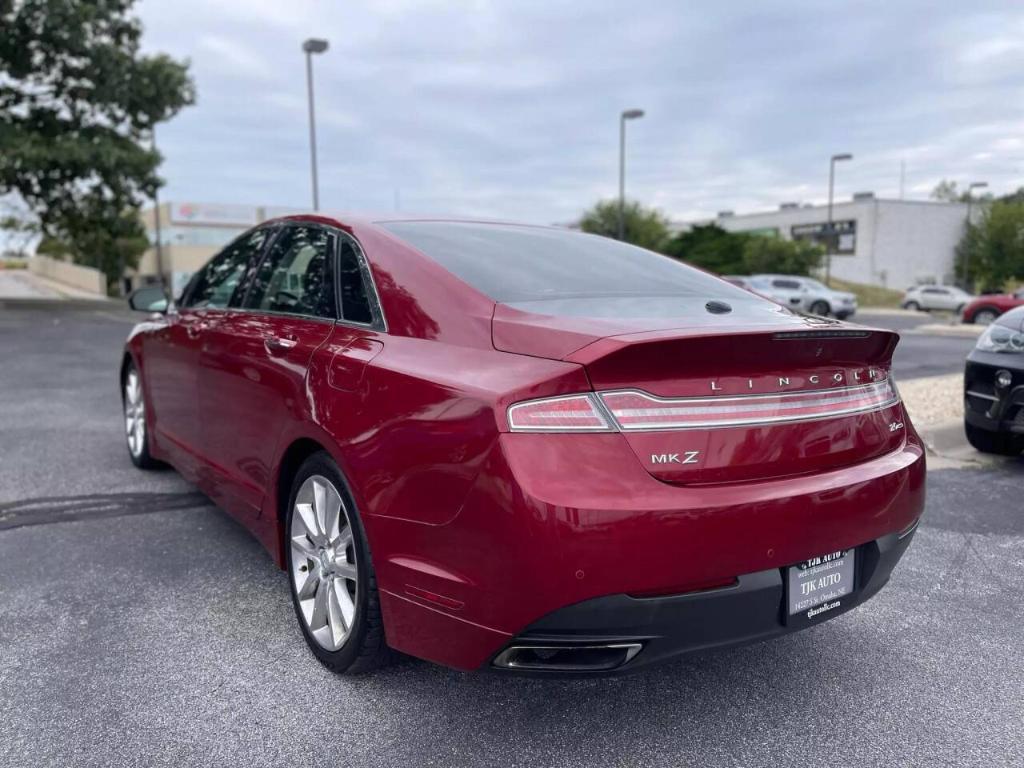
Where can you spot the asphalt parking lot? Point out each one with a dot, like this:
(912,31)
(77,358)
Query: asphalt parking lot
(139,625)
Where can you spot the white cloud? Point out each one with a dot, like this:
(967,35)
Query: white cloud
(511,108)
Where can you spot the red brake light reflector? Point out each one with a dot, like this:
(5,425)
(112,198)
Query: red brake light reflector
(572,413)
(638,410)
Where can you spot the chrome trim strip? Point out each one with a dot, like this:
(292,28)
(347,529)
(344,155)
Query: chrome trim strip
(746,399)
(502,659)
(982,395)
(909,530)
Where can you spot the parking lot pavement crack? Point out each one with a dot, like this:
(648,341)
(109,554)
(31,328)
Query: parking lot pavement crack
(63,509)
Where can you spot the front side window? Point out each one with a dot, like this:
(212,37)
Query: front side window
(216,283)
(295,277)
(789,285)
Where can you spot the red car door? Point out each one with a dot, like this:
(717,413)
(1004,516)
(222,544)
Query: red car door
(171,356)
(252,371)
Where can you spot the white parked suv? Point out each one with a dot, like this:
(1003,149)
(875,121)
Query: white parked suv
(806,294)
(929,297)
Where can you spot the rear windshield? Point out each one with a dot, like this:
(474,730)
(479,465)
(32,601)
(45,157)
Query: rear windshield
(513,263)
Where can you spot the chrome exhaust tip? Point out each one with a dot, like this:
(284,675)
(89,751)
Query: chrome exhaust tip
(567,658)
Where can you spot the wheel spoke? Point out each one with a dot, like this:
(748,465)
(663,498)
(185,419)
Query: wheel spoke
(339,626)
(332,513)
(308,588)
(348,608)
(320,505)
(319,617)
(346,571)
(307,521)
(344,539)
(302,547)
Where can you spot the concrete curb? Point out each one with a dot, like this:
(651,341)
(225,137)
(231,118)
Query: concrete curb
(939,329)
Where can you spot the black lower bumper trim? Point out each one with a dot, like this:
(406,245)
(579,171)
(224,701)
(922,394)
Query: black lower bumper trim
(753,609)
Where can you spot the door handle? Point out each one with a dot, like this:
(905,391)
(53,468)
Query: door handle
(276,345)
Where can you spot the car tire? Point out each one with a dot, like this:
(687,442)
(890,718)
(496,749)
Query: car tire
(133,403)
(985,315)
(912,306)
(330,571)
(998,443)
(820,308)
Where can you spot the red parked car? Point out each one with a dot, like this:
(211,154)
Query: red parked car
(525,448)
(985,309)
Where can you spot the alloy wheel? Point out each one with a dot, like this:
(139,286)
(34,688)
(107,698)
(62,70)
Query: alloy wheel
(323,562)
(985,317)
(134,414)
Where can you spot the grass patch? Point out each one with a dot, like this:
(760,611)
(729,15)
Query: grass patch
(870,295)
(13,264)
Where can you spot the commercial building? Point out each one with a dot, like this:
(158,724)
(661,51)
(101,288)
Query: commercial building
(190,233)
(890,243)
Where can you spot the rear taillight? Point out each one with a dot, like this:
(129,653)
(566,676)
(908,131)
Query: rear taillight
(637,410)
(574,413)
(634,411)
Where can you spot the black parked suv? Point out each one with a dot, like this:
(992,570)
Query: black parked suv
(994,387)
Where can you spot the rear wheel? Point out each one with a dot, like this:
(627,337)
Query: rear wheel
(820,308)
(913,306)
(136,430)
(986,315)
(334,590)
(999,443)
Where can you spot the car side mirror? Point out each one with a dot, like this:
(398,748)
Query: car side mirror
(151,298)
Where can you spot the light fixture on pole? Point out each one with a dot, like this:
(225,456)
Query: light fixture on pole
(828,231)
(967,228)
(629,114)
(309,47)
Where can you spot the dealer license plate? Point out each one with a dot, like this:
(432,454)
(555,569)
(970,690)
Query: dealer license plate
(819,585)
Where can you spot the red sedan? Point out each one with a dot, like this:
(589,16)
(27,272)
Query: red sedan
(525,448)
(985,309)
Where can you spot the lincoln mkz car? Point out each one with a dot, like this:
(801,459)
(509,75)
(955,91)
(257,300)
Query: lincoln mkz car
(525,449)
(994,387)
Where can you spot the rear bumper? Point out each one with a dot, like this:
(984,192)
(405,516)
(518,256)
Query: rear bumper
(659,629)
(558,530)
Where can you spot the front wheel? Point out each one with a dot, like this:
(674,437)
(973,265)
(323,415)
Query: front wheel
(912,306)
(998,443)
(820,308)
(136,430)
(333,587)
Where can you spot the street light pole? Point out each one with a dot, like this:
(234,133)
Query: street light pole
(967,228)
(828,230)
(156,220)
(311,46)
(629,114)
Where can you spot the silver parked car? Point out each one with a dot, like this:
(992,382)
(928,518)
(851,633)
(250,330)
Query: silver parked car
(931,297)
(806,294)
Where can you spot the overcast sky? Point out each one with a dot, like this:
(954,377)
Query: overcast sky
(510,108)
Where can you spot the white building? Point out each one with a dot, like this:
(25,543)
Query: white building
(891,243)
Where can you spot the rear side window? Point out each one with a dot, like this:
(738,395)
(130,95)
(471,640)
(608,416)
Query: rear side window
(295,277)
(520,263)
(789,285)
(215,284)
(355,300)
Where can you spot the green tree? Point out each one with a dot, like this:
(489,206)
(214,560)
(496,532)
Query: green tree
(789,257)
(710,247)
(994,248)
(946,191)
(645,227)
(78,103)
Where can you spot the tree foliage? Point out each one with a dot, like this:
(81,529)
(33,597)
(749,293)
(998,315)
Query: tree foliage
(645,227)
(78,103)
(947,191)
(717,250)
(994,248)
